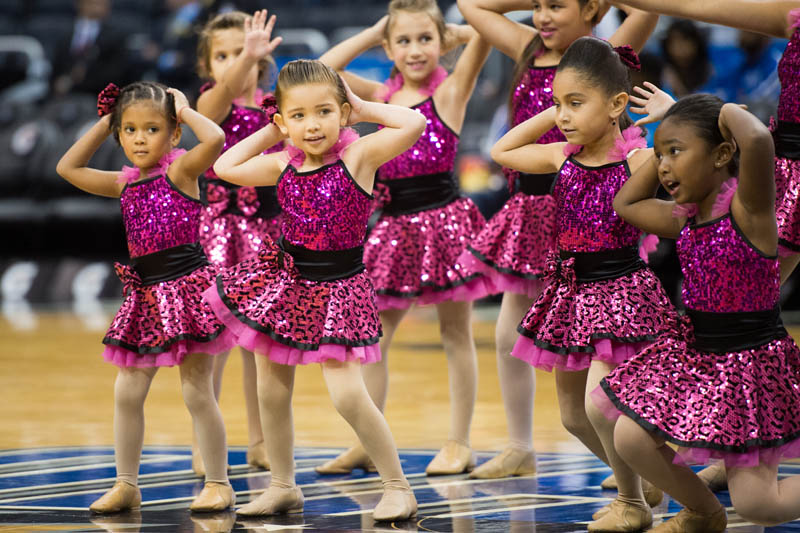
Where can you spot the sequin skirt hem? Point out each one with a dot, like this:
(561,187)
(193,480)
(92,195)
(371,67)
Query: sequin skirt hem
(174,355)
(743,407)
(468,290)
(497,280)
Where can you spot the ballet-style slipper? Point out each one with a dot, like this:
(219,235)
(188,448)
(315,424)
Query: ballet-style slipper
(257,455)
(215,496)
(624,517)
(609,483)
(652,495)
(688,521)
(511,462)
(397,503)
(346,462)
(274,500)
(453,458)
(121,497)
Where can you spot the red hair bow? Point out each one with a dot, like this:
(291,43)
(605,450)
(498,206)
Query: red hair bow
(629,57)
(270,105)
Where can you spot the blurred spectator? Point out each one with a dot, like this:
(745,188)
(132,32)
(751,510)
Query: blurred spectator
(685,50)
(757,73)
(652,71)
(91,55)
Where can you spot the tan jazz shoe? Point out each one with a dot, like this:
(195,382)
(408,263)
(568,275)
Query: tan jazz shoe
(346,462)
(714,476)
(121,497)
(688,521)
(257,455)
(624,517)
(512,462)
(609,483)
(215,496)
(397,503)
(454,458)
(652,495)
(274,500)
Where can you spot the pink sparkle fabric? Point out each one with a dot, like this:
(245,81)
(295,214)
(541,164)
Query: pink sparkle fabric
(573,322)
(411,258)
(276,312)
(230,237)
(787,170)
(159,324)
(741,406)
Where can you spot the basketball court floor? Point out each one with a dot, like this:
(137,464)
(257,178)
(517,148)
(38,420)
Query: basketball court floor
(56,401)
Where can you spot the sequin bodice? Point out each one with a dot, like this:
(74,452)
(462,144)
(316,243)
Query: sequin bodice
(240,123)
(722,271)
(789,74)
(585,218)
(158,216)
(433,153)
(532,95)
(324,209)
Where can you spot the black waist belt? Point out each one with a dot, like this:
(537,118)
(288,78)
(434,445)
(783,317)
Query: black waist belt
(536,184)
(733,332)
(420,193)
(787,140)
(268,206)
(169,264)
(328,265)
(608,264)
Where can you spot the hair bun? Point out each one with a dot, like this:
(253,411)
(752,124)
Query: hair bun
(269,104)
(628,56)
(107,99)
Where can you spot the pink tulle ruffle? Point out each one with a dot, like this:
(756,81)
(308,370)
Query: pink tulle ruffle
(498,282)
(295,156)
(794,18)
(607,350)
(702,456)
(174,356)
(631,140)
(131,174)
(277,352)
(395,83)
(722,203)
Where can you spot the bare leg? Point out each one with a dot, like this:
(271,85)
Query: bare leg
(759,497)
(571,390)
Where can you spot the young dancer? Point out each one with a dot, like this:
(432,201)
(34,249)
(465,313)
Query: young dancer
(234,52)
(162,321)
(724,382)
(601,303)
(308,299)
(426,222)
(511,250)
(778,19)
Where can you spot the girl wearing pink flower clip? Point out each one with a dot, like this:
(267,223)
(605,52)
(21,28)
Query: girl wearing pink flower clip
(235,53)
(163,320)
(307,298)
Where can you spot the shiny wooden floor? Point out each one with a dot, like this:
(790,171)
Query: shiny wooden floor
(52,376)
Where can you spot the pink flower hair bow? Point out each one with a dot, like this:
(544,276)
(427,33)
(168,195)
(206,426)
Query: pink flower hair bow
(107,99)
(628,56)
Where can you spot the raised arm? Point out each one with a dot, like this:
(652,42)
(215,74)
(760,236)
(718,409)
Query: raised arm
(215,103)
(636,204)
(635,29)
(517,148)
(488,18)
(753,205)
(452,96)
(244,163)
(185,170)
(343,53)
(402,126)
(72,165)
(767,17)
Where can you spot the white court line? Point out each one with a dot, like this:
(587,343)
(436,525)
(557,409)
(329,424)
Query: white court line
(146,459)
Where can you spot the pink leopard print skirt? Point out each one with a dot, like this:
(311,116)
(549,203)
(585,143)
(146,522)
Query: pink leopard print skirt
(787,206)
(511,250)
(743,407)
(292,320)
(160,324)
(412,258)
(572,323)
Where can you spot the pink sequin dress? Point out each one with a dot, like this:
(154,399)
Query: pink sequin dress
(600,300)
(307,298)
(724,382)
(237,220)
(787,143)
(411,252)
(163,317)
(511,250)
